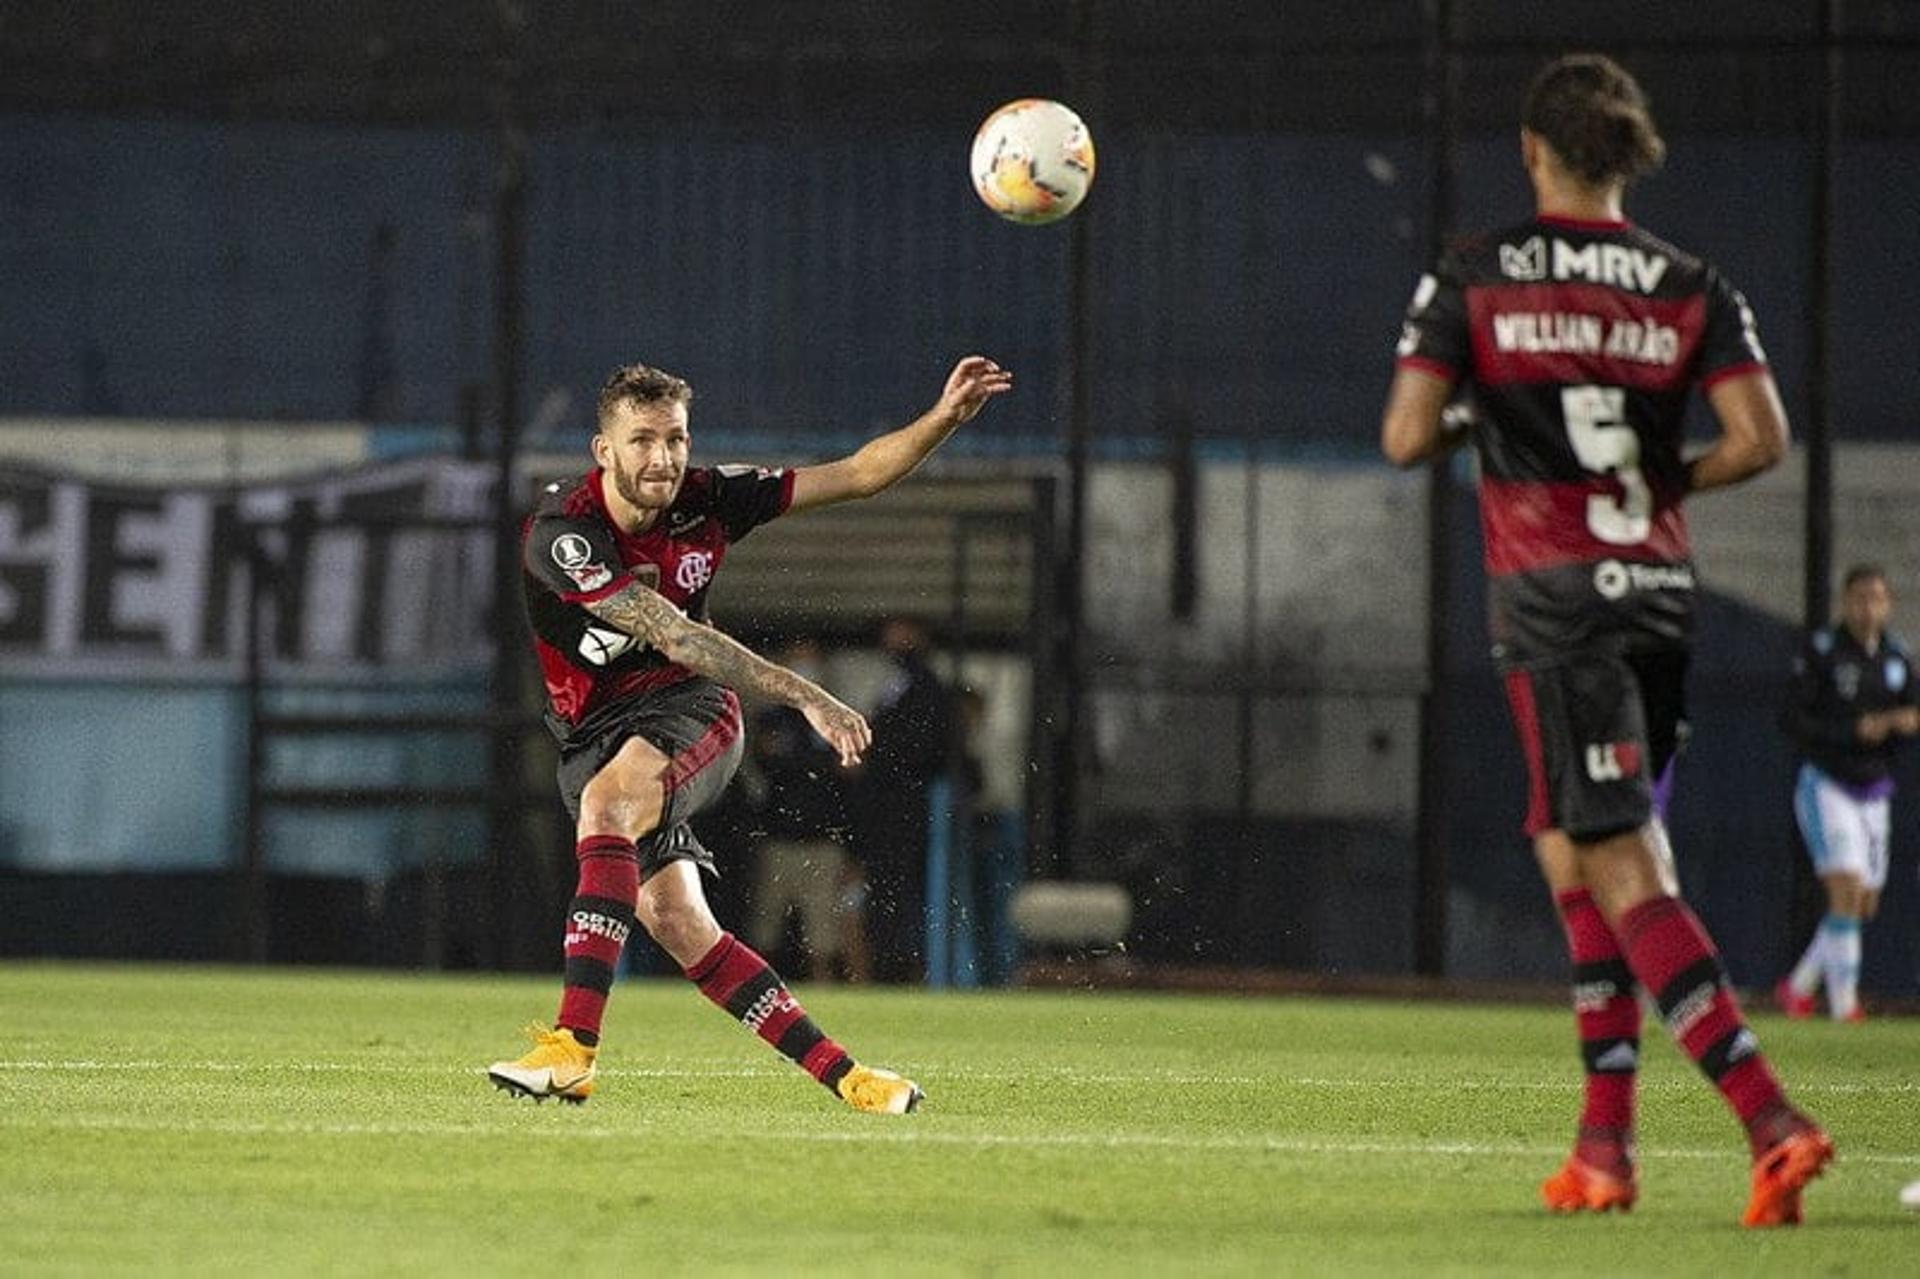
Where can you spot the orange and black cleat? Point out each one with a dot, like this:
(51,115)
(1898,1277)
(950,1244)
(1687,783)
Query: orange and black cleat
(1781,1172)
(1580,1187)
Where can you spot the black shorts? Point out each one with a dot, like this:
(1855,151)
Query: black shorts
(1598,730)
(696,725)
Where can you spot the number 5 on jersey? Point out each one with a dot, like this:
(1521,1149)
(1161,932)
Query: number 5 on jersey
(1606,445)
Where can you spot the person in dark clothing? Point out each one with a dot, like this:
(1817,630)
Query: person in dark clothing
(802,862)
(913,725)
(1854,703)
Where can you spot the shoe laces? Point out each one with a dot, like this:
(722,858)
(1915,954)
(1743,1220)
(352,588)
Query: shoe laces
(858,1081)
(555,1043)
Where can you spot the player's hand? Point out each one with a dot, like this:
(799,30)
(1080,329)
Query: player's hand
(840,726)
(1906,720)
(1872,728)
(973,382)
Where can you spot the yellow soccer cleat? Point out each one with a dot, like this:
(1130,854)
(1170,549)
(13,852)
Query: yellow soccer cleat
(880,1092)
(559,1066)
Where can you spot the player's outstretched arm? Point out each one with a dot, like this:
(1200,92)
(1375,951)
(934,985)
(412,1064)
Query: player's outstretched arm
(647,615)
(1753,432)
(881,462)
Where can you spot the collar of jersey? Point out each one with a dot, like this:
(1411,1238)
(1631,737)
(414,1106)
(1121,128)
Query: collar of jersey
(1582,224)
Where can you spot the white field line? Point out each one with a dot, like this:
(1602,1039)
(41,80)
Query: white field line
(898,1135)
(1046,1074)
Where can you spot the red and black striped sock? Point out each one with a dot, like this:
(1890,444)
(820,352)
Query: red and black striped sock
(1607,1014)
(1674,958)
(598,921)
(733,976)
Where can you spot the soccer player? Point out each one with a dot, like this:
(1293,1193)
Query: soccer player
(617,569)
(1853,703)
(1581,336)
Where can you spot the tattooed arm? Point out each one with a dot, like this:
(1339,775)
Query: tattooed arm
(648,616)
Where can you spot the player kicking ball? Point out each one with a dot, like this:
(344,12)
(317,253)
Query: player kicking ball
(642,699)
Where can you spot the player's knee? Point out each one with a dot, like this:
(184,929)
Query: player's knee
(683,928)
(1843,893)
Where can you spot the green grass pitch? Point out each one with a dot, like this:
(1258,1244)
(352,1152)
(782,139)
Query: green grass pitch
(175,1120)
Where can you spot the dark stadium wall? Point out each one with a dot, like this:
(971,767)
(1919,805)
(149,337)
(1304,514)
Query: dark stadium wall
(176,268)
(1290,846)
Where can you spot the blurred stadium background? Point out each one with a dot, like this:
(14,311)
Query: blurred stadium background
(299,301)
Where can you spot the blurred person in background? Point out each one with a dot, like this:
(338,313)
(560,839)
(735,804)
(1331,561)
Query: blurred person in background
(1581,337)
(990,860)
(914,730)
(642,698)
(802,864)
(1853,705)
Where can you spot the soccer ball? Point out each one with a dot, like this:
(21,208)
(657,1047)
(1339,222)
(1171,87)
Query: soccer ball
(1032,161)
(1910,1197)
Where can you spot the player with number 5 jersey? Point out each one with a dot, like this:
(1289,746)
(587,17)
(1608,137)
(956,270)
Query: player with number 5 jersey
(1583,338)
(1578,339)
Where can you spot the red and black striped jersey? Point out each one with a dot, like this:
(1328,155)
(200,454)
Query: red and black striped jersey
(573,554)
(1581,342)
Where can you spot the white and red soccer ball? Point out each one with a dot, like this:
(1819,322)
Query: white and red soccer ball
(1032,161)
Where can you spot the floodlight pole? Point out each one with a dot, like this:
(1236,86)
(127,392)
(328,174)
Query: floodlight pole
(1440,106)
(1069,732)
(509,341)
(1817,570)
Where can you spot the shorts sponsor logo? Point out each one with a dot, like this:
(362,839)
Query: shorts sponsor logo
(588,922)
(1613,761)
(601,646)
(694,571)
(1613,580)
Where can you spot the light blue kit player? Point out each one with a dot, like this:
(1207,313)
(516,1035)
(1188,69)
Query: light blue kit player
(1854,704)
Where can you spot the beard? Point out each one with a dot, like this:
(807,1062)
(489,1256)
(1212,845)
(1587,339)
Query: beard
(629,485)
